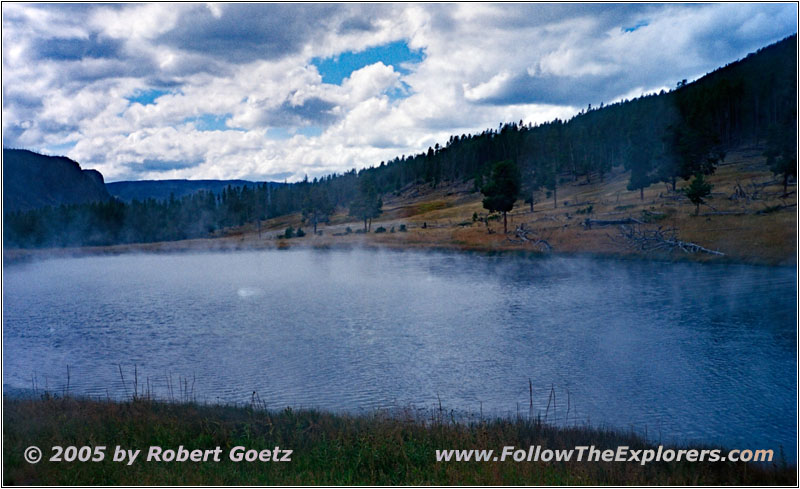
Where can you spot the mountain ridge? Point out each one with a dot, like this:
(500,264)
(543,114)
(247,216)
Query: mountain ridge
(32,180)
(129,190)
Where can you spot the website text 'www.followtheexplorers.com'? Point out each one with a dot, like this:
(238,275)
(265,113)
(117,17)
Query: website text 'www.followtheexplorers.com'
(536,453)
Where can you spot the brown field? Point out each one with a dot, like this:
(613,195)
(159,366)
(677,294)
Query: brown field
(759,227)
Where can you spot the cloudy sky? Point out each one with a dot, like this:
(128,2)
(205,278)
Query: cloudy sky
(279,91)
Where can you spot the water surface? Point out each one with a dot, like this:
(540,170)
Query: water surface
(688,352)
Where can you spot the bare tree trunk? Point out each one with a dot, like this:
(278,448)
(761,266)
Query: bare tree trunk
(641,193)
(505,223)
(555,204)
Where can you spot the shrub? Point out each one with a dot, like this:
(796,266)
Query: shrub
(348,230)
(648,216)
(289,233)
(403,228)
(300,233)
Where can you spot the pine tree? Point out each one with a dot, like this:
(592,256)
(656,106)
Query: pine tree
(502,189)
(781,152)
(367,205)
(697,191)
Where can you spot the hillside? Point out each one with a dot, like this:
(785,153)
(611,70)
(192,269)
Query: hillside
(628,163)
(31,181)
(747,219)
(162,189)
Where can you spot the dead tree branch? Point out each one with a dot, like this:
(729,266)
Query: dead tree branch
(588,223)
(659,240)
(775,208)
(527,237)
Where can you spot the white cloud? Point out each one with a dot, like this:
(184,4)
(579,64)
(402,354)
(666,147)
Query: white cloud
(137,21)
(251,65)
(370,81)
(488,89)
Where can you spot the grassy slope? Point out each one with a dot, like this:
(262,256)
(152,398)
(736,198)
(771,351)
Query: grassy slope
(328,449)
(748,237)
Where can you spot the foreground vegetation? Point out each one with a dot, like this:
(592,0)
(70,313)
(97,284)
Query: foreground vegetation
(329,449)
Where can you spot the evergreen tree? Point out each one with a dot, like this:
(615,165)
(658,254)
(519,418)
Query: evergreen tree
(641,157)
(502,189)
(697,191)
(781,152)
(696,137)
(367,205)
(317,205)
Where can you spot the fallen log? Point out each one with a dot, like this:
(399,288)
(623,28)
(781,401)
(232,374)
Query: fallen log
(588,223)
(775,208)
(661,239)
(724,213)
(524,237)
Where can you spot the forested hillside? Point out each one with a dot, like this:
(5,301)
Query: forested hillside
(128,191)
(665,137)
(31,180)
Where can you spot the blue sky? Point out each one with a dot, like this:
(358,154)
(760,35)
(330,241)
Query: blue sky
(157,91)
(397,54)
(146,97)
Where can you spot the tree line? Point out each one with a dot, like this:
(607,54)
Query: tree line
(666,137)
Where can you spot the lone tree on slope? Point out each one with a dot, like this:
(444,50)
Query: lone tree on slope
(501,189)
(697,191)
(368,204)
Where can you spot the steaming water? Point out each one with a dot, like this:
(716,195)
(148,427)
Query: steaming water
(687,352)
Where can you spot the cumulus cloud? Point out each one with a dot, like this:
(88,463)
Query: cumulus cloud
(237,94)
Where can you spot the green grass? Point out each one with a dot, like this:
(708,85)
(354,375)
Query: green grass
(425,207)
(329,449)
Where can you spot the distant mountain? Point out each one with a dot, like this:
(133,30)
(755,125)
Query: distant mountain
(31,180)
(162,189)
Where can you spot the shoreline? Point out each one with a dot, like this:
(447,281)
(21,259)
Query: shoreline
(333,448)
(451,217)
(16,256)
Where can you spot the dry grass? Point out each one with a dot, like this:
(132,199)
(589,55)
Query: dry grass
(751,236)
(441,218)
(446,214)
(329,449)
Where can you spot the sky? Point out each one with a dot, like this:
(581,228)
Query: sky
(284,91)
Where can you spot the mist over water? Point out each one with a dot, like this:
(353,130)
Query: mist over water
(688,352)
